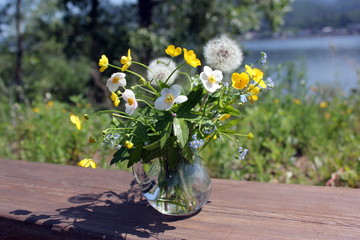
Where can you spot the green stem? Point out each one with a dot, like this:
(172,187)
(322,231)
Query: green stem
(174,71)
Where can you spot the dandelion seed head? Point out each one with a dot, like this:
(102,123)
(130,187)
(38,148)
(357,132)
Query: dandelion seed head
(161,68)
(223,53)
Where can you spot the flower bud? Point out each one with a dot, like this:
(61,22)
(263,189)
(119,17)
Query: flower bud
(250,135)
(86,116)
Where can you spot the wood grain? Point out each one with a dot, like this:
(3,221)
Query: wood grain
(47,201)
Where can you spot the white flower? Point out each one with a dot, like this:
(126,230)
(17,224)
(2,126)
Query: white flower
(115,81)
(161,68)
(169,97)
(131,103)
(223,53)
(211,79)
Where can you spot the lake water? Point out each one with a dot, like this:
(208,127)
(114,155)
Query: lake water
(328,61)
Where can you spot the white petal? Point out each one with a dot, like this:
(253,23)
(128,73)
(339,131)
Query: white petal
(122,82)
(165,91)
(218,75)
(203,76)
(128,94)
(112,86)
(175,90)
(181,99)
(208,71)
(160,104)
(211,87)
(130,109)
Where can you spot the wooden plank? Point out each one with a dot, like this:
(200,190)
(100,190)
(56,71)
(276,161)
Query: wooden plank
(46,201)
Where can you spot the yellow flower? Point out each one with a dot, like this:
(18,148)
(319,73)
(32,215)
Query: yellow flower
(128,144)
(50,104)
(276,100)
(36,109)
(103,63)
(250,135)
(253,98)
(327,115)
(323,104)
(254,92)
(172,51)
(239,80)
(115,98)
(126,61)
(214,137)
(190,58)
(87,162)
(296,101)
(224,117)
(256,74)
(76,121)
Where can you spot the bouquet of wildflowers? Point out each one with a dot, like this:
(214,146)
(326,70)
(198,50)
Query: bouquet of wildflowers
(157,118)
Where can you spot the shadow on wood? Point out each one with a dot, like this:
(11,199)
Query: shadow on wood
(115,215)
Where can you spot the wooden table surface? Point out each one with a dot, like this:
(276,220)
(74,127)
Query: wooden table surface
(46,201)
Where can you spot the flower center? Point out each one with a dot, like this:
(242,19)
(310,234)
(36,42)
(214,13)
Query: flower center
(169,98)
(130,101)
(212,79)
(115,80)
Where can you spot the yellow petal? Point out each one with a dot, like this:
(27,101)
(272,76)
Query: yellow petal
(240,80)
(75,120)
(87,162)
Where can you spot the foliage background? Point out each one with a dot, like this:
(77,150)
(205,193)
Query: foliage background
(49,52)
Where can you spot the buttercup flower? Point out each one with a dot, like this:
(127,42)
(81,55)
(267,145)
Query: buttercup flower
(161,68)
(128,144)
(211,79)
(323,104)
(115,98)
(240,80)
(190,58)
(103,63)
(254,93)
(76,121)
(169,97)
(256,74)
(126,61)
(131,103)
(87,162)
(224,117)
(250,135)
(172,51)
(115,81)
(223,53)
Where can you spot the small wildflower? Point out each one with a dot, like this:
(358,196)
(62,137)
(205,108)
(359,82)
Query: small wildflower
(211,79)
(224,117)
(296,101)
(263,58)
(190,58)
(169,97)
(173,51)
(115,81)
(240,80)
(131,103)
(254,91)
(126,61)
(76,121)
(250,135)
(103,63)
(243,98)
(87,162)
(223,53)
(115,98)
(323,104)
(242,153)
(36,110)
(160,70)
(118,146)
(213,138)
(269,83)
(196,143)
(256,74)
(86,116)
(128,144)
(276,100)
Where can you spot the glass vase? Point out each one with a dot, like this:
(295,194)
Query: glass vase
(180,191)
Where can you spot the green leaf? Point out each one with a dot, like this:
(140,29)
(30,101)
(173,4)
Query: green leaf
(140,134)
(230,123)
(232,111)
(121,155)
(135,156)
(189,116)
(194,98)
(181,130)
(152,146)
